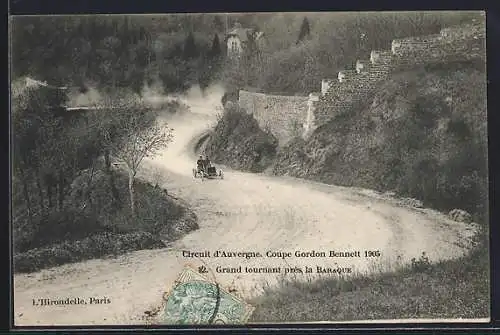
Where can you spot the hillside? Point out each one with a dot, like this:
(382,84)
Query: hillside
(69,201)
(423,289)
(238,142)
(178,51)
(438,154)
(90,227)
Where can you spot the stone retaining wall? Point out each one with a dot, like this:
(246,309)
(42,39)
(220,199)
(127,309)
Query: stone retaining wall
(289,116)
(284,116)
(461,43)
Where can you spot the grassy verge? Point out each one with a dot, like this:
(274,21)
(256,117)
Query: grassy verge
(94,246)
(91,226)
(448,289)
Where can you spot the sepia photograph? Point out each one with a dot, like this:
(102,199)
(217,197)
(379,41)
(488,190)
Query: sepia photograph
(249,168)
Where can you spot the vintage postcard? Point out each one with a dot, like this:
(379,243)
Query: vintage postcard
(249,168)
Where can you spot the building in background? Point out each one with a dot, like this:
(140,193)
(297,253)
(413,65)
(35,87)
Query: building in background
(238,38)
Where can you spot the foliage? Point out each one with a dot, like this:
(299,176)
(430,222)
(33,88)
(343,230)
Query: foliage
(216,50)
(97,245)
(190,51)
(65,188)
(422,264)
(128,51)
(335,41)
(304,30)
(119,51)
(133,135)
(98,229)
(457,288)
(211,64)
(47,153)
(230,96)
(237,141)
(409,139)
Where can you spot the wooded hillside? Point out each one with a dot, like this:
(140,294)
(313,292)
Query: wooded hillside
(180,50)
(69,199)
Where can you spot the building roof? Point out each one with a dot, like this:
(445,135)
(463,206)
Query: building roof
(241,33)
(20,85)
(27,82)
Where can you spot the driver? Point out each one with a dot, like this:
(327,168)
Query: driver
(200,163)
(207,163)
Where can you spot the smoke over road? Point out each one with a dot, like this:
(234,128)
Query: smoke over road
(187,124)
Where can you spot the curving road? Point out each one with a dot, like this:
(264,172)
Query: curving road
(243,212)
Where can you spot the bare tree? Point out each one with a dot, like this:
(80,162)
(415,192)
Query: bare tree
(135,135)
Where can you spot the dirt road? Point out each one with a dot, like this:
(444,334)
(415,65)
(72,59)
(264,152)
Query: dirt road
(247,213)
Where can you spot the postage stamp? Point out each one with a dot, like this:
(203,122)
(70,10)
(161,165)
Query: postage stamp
(194,299)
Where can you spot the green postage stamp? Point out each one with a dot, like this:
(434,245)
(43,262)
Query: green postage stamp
(194,299)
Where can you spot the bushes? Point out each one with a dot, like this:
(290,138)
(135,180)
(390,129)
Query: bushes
(98,228)
(238,142)
(95,246)
(422,289)
(455,177)
(60,226)
(231,96)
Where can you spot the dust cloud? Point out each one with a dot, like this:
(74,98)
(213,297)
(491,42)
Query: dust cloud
(199,110)
(190,115)
(195,99)
(91,97)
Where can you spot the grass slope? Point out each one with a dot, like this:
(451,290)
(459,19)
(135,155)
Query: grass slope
(238,142)
(422,136)
(444,290)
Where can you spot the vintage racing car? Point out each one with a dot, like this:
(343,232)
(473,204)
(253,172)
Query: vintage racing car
(209,173)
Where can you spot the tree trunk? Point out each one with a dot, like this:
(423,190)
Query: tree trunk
(111,179)
(60,190)
(40,193)
(49,193)
(107,161)
(26,196)
(89,185)
(131,190)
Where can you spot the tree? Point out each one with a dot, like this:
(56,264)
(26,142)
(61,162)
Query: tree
(251,48)
(218,24)
(190,51)
(135,135)
(304,30)
(210,64)
(50,148)
(24,139)
(215,51)
(309,83)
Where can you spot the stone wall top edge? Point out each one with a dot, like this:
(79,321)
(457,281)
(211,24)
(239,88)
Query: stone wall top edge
(385,60)
(264,95)
(417,39)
